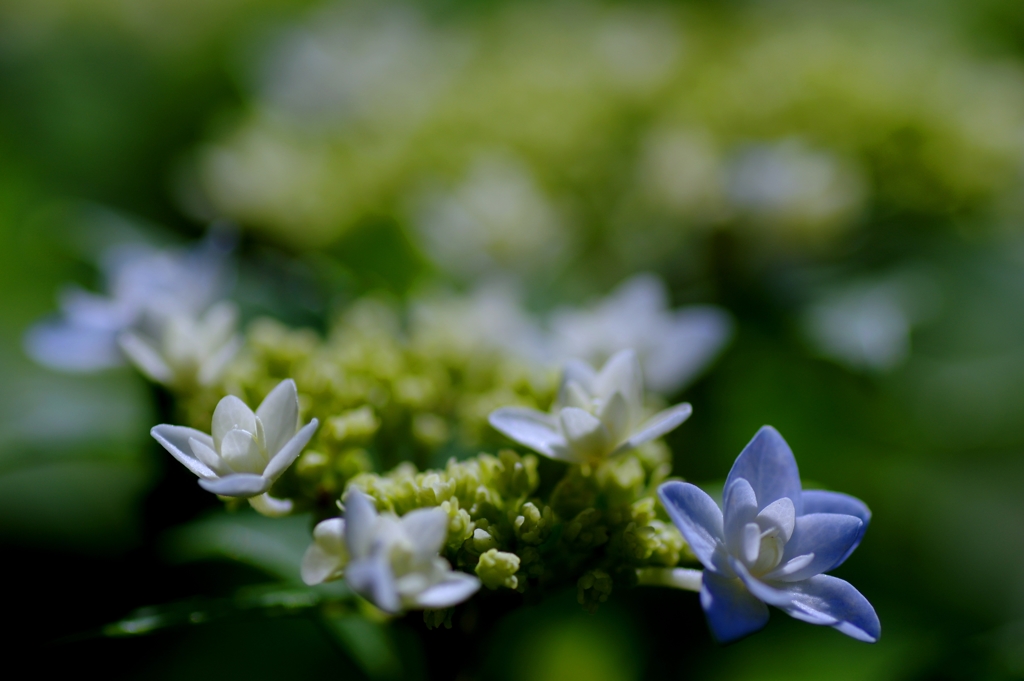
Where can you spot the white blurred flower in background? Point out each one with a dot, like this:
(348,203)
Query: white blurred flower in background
(498,218)
(377,64)
(790,183)
(674,346)
(490,318)
(640,49)
(867,324)
(146,288)
(187,350)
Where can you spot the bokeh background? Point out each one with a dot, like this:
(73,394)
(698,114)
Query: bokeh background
(844,178)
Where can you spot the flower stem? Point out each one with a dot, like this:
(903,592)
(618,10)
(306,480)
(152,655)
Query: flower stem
(679,578)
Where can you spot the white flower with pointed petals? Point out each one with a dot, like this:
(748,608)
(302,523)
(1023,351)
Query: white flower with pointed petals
(597,414)
(186,351)
(674,345)
(392,562)
(247,452)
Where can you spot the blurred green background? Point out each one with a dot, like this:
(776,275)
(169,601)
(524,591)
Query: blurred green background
(844,178)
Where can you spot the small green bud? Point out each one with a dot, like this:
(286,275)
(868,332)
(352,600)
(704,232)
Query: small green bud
(593,588)
(460,525)
(498,569)
(585,532)
(355,425)
(482,541)
(533,525)
(312,465)
(621,479)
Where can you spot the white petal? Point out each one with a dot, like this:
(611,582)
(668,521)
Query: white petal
(213,367)
(290,451)
(231,414)
(145,357)
(237,485)
(360,521)
(660,424)
(790,567)
(751,543)
(219,322)
(456,588)
(615,417)
(572,394)
(209,457)
(271,506)
(175,440)
(319,566)
(585,434)
(238,450)
(330,534)
(580,372)
(779,515)
(279,412)
(622,373)
(427,529)
(528,427)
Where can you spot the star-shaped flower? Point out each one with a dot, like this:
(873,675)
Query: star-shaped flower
(247,451)
(187,351)
(393,562)
(597,414)
(771,545)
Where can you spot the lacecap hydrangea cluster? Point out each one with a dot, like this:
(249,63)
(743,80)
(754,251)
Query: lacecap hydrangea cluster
(440,470)
(503,477)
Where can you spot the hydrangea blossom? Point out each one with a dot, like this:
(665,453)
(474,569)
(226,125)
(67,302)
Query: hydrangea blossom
(146,286)
(187,351)
(596,415)
(393,562)
(674,345)
(770,544)
(247,451)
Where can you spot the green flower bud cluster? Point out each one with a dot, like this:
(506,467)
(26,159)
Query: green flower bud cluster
(594,527)
(384,395)
(388,400)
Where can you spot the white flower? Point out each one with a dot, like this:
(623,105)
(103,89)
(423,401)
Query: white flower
(674,345)
(391,561)
(247,451)
(187,350)
(146,286)
(498,218)
(789,182)
(866,324)
(488,319)
(597,414)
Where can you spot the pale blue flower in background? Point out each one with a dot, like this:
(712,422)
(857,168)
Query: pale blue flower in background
(673,345)
(771,545)
(247,452)
(145,287)
(392,562)
(597,414)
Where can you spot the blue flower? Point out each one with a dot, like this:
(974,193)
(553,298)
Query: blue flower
(771,545)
